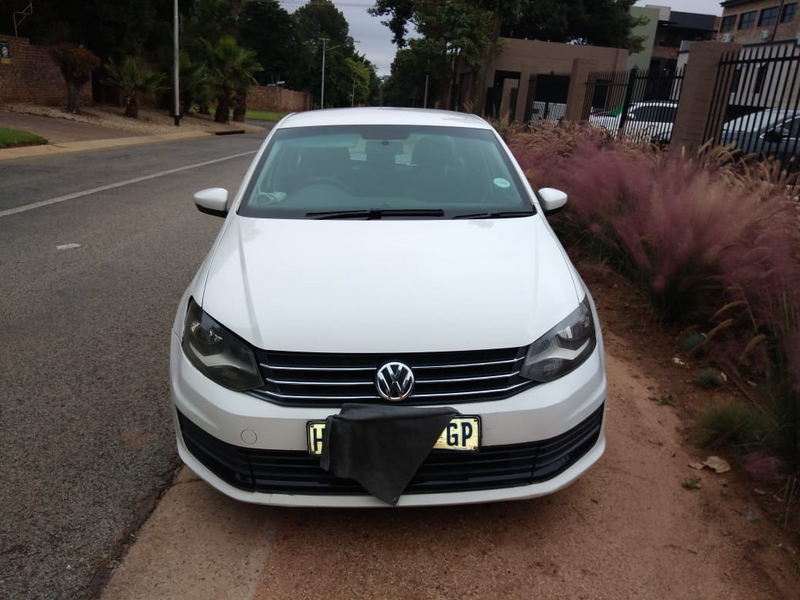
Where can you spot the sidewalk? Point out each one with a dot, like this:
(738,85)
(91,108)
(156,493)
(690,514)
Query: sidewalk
(74,136)
(197,543)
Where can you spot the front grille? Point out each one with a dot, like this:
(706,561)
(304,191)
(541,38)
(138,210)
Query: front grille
(329,380)
(491,467)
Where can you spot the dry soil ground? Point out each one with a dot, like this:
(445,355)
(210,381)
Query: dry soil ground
(149,122)
(627,529)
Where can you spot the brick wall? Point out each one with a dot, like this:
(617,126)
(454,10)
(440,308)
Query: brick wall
(32,77)
(530,58)
(752,34)
(278,99)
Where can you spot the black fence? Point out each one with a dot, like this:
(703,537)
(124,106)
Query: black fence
(756,103)
(638,104)
(547,97)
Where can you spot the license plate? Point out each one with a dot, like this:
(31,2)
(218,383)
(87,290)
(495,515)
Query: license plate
(461,433)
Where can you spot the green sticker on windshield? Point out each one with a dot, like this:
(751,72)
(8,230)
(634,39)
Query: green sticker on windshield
(502,183)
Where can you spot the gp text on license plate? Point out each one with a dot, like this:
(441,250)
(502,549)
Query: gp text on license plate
(461,433)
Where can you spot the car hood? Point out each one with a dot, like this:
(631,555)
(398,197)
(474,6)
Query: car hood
(389,285)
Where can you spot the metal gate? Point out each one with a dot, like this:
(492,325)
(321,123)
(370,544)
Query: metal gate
(638,104)
(547,97)
(756,103)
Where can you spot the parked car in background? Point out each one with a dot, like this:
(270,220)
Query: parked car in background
(773,132)
(645,120)
(397,265)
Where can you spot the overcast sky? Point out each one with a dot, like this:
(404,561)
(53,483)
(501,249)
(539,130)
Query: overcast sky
(704,7)
(376,39)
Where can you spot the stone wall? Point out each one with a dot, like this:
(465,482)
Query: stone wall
(277,99)
(32,77)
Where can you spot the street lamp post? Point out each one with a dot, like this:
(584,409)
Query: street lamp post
(176,67)
(322,84)
(322,93)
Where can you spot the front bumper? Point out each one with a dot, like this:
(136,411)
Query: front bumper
(533,444)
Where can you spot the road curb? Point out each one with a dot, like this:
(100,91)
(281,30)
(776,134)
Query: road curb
(85,146)
(196,544)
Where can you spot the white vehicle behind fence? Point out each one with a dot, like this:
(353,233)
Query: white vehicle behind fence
(645,120)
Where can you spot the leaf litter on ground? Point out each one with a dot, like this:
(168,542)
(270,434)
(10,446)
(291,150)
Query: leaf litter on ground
(715,463)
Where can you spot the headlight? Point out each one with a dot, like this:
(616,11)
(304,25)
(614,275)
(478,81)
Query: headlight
(563,348)
(218,353)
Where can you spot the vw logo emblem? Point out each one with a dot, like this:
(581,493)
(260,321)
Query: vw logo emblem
(395,381)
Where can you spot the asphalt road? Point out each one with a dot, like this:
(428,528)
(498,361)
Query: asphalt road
(88,289)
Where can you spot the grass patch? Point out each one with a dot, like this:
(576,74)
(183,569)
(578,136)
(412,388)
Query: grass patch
(709,378)
(695,483)
(732,423)
(264,115)
(10,138)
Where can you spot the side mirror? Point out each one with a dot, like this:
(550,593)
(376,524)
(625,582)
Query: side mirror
(213,201)
(552,200)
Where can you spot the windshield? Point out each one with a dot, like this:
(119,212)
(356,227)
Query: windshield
(384,172)
(755,121)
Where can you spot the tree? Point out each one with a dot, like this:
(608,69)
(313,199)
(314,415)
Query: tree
(470,29)
(76,64)
(593,22)
(406,85)
(133,78)
(467,30)
(419,14)
(277,47)
(315,21)
(231,70)
(360,81)
(192,77)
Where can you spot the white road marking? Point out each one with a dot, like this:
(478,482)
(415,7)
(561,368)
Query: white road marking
(67,246)
(111,186)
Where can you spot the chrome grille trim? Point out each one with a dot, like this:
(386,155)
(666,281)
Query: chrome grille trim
(468,365)
(463,379)
(281,368)
(376,397)
(329,380)
(371,382)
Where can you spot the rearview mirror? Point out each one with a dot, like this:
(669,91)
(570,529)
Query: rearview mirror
(552,200)
(213,201)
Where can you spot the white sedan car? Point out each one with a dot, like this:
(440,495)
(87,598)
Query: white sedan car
(651,121)
(386,318)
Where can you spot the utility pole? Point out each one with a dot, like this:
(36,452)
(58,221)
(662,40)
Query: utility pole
(425,102)
(176,67)
(322,93)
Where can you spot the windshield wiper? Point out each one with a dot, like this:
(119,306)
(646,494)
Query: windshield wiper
(496,215)
(377,213)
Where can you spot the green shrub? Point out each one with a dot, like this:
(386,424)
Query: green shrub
(709,378)
(732,423)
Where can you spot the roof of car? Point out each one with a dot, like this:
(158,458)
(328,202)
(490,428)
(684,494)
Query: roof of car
(655,103)
(756,121)
(383,116)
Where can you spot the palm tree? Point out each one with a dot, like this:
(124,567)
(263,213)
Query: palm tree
(133,78)
(193,83)
(230,70)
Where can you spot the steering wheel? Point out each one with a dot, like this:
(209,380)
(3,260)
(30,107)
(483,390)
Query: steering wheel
(324,180)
